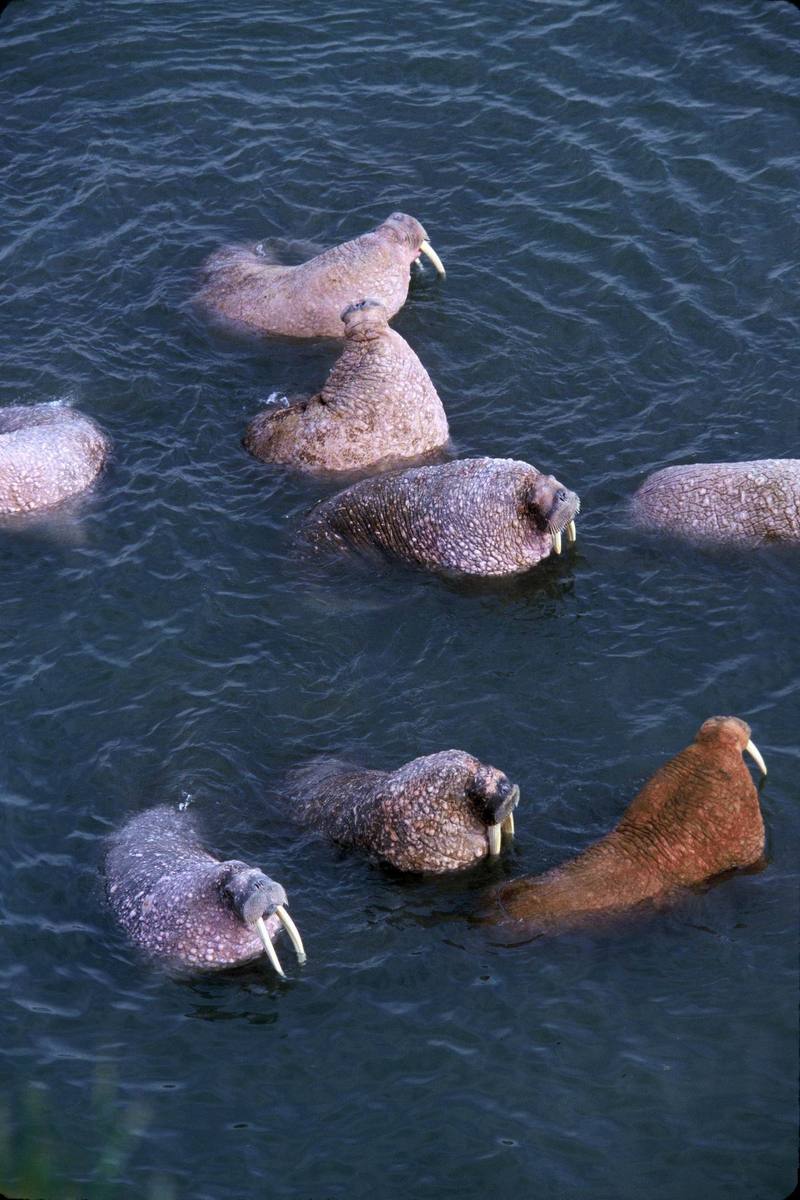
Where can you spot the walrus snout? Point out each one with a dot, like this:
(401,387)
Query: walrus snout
(732,729)
(554,509)
(408,230)
(494,798)
(253,894)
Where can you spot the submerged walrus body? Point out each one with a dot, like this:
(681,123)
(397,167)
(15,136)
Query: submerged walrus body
(307,300)
(185,907)
(477,516)
(438,813)
(377,403)
(744,502)
(697,817)
(48,454)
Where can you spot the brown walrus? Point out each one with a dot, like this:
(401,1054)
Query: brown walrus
(697,817)
(744,502)
(475,516)
(438,813)
(307,300)
(377,403)
(48,453)
(185,907)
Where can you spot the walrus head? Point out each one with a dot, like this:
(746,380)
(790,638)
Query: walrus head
(365,320)
(494,798)
(553,508)
(731,731)
(408,232)
(253,895)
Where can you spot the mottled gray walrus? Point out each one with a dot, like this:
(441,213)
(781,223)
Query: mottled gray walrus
(48,453)
(438,813)
(697,817)
(476,516)
(744,502)
(185,907)
(307,300)
(377,403)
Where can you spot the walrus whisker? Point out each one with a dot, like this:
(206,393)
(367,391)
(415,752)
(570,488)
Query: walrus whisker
(428,250)
(755,754)
(508,826)
(268,946)
(493,834)
(293,932)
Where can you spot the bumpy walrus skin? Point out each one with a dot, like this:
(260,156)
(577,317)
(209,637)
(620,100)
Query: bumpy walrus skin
(378,403)
(476,516)
(696,818)
(178,903)
(48,453)
(744,502)
(307,300)
(430,815)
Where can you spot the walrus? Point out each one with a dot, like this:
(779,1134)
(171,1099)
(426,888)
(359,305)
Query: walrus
(377,403)
(306,300)
(184,907)
(48,453)
(475,516)
(438,813)
(696,818)
(741,502)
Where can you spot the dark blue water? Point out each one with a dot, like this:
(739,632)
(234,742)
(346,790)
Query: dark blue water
(613,188)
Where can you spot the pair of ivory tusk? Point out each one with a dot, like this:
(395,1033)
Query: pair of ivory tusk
(755,754)
(429,251)
(572,536)
(494,832)
(294,936)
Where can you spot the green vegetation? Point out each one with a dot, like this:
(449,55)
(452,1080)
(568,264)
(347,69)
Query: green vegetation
(37,1164)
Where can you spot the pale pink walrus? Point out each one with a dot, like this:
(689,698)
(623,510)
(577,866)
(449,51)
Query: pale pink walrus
(307,300)
(48,454)
(740,502)
(377,405)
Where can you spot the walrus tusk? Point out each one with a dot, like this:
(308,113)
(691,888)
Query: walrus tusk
(493,834)
(268,946)
(293,933)
(508,825)
(428,249)
(755,754)
(572,533)
(556,536)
